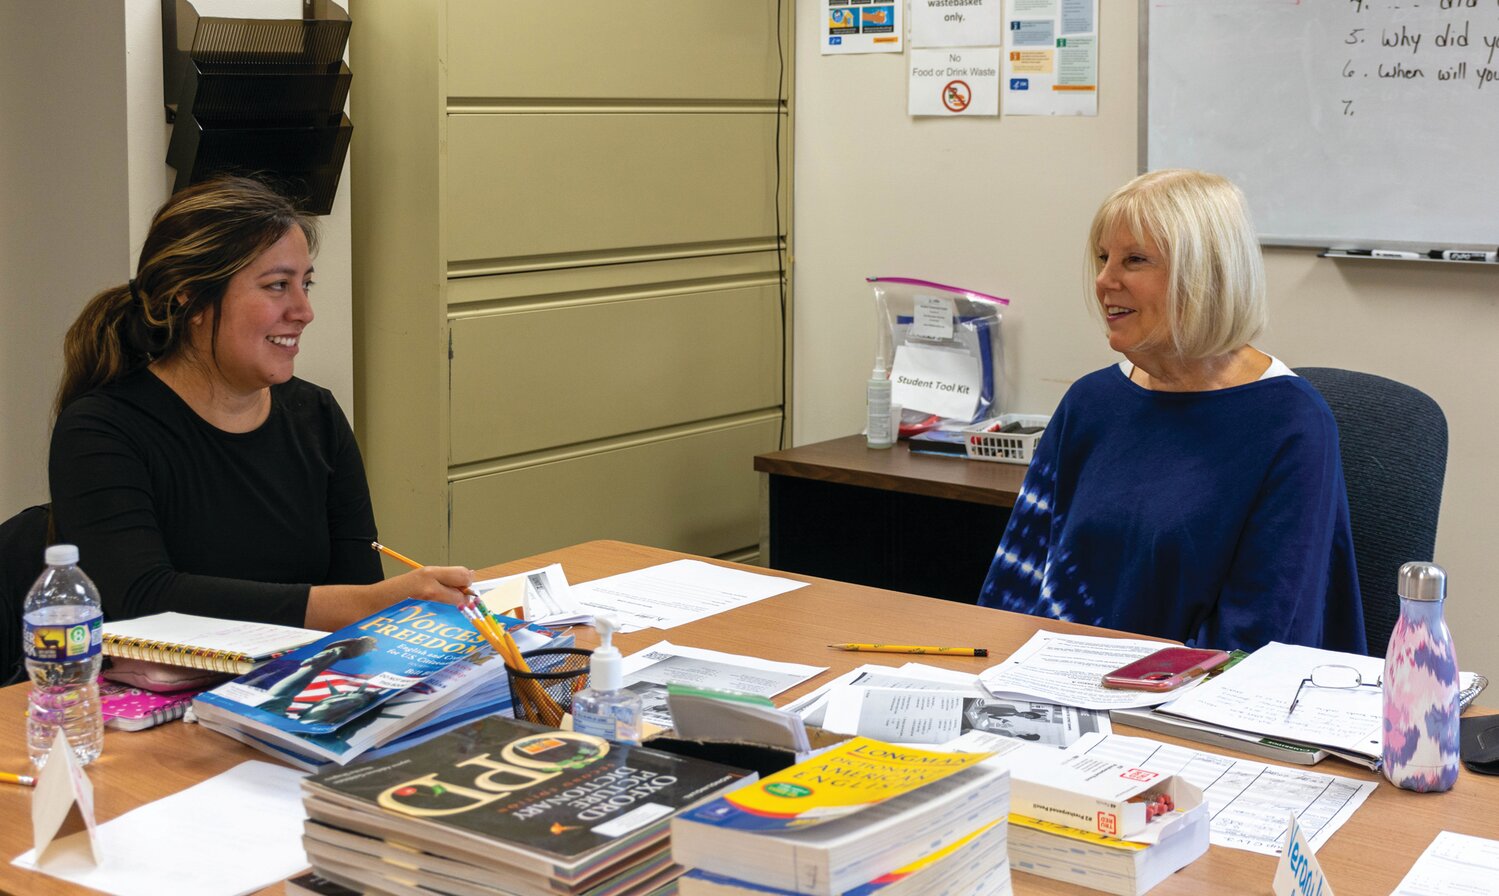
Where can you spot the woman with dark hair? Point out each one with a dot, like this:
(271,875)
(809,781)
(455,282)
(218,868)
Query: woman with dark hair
(192,469)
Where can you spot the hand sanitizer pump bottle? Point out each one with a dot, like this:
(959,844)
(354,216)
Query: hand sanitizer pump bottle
(605,709)
(1420,687)
(879,428)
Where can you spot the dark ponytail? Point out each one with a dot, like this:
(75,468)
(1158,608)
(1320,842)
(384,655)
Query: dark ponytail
(199,239)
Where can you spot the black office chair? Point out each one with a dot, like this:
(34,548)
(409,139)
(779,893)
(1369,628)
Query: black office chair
(1394,445)
(23,539)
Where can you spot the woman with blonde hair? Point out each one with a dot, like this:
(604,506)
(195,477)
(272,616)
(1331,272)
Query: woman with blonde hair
(1193,491)
(192,469)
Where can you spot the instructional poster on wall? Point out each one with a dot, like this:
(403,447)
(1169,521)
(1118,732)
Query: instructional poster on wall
(955,23)
(862,26)
(1050,57)
(954,81)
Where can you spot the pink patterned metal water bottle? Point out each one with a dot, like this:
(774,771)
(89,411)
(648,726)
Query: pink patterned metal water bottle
(1420,686)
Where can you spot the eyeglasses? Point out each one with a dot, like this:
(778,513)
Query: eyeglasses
(1334,677)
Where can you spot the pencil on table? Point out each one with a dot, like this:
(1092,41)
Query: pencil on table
(23,780)
(913,648)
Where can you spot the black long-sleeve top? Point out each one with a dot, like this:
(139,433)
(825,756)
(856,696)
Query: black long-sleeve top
(172,513)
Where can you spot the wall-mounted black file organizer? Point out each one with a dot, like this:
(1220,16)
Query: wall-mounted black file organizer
(258,96)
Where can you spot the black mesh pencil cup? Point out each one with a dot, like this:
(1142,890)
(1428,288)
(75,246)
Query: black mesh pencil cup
(545,693)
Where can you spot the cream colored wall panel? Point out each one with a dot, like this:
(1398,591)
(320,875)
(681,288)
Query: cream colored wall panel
(611,367)
(606,49)
(697,493)
(538,185)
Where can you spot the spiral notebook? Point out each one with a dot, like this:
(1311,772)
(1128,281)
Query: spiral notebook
(201,642)
(131,709)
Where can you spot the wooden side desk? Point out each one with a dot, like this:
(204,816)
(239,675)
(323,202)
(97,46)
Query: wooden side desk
(1370,854)
(889,518)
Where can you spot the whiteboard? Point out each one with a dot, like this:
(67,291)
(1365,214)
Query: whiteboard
(1347,123)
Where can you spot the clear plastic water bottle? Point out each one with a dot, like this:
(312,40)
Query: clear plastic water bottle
(1420,687)
(63,633)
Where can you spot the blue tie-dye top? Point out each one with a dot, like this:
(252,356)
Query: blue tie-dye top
(1215,518)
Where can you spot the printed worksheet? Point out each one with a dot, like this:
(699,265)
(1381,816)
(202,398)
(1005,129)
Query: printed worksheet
(1249,800)
(650,671)
(1454,863)
(1069,669)
(1256,695)
(675,593)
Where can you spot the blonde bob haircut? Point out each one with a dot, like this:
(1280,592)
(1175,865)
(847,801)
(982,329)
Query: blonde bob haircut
(1215,294)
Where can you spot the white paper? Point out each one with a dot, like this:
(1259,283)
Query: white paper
(954,81)
(62,785)
(1069,669)
(546,597)
(1050,59)
(1298,873)
(1249,800)
(940,23)
(932,318)
(858,713)
(1255,695)
(234,833)
(983,742)
(1048,724)
(650,671)
(1454,864)
(676,593)
(913,676)
(900,716)
(937,381)
(862,27)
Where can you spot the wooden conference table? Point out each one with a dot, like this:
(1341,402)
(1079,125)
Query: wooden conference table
(890,518)
(1369,855)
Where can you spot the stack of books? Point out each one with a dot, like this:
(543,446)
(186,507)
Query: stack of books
(863,817)
(385,683)
(501,806)
(1099,824)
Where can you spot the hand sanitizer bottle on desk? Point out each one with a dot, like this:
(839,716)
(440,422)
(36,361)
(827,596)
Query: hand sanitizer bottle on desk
(879,428)
(605,709)
(1420,687)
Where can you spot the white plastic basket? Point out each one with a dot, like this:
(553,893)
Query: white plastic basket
(1005,447)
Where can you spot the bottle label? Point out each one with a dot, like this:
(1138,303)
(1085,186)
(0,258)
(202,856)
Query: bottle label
(599,724)
(64,643)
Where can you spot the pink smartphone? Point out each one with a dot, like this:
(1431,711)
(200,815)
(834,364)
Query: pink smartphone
(1167,668)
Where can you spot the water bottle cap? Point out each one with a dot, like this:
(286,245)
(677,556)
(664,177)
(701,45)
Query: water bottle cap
(1422,581)
(62,555)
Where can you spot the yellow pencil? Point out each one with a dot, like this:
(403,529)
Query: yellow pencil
(402,558)
(914,648)
(23,780)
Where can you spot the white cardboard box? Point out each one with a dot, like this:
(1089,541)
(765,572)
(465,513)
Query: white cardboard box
(1095,795)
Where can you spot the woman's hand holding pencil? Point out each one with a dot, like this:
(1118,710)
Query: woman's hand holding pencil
(528,692)
(448,584)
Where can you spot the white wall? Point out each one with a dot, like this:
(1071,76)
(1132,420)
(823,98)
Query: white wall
(1002,206)
(83,139)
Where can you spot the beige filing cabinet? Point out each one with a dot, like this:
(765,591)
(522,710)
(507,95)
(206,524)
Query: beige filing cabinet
(571,301)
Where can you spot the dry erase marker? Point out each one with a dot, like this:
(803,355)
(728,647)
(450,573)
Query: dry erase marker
(1463,255)
(1384,253)
(913,648)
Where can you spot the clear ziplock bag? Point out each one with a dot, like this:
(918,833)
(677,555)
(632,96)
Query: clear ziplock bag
(945,351)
